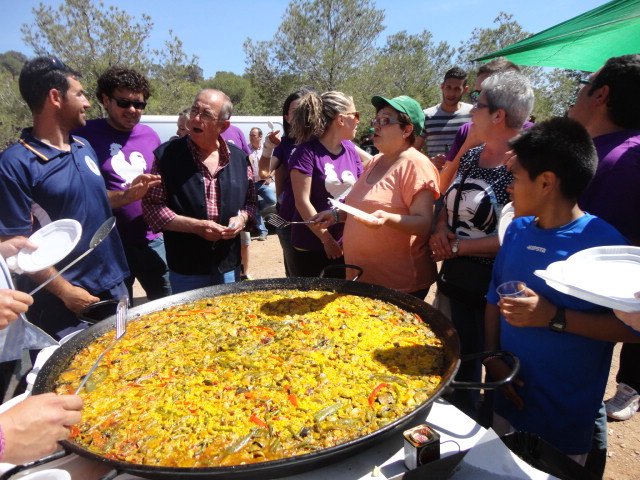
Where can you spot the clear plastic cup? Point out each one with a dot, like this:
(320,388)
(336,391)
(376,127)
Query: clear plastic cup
(513,289)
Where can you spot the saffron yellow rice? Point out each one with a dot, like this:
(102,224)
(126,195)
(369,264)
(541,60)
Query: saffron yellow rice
(252,377)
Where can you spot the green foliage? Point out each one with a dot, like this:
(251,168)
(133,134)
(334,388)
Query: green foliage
(175,79)
(244,98)
(328,44)
(14,114)
(11,62)
(90,38)
(322,43)
(406,65)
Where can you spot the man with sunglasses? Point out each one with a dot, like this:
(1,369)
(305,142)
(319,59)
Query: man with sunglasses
(50,175)
(125,156)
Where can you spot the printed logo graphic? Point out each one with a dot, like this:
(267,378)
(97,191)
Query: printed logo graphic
(92,165)
(126,169)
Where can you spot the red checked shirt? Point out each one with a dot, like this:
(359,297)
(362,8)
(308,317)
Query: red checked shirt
(158,214)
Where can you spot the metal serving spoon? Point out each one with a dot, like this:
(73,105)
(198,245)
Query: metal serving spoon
(97,239)
(121,329)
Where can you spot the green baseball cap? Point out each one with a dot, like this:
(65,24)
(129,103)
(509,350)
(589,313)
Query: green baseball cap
(403,104)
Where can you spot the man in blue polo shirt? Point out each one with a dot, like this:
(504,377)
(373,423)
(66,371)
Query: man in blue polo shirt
(48,175)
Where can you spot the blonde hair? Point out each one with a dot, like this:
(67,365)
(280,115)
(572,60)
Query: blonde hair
(315,112)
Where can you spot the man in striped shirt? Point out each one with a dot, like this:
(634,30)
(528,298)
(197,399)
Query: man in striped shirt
(443,120)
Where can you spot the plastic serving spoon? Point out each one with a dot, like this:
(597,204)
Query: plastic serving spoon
(97,239)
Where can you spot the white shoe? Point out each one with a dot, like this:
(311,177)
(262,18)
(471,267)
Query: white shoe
(624,404)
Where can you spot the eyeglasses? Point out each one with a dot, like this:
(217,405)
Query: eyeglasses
(205,115)
(474,95)
(384,121)
(585,82)
(478,105)
(126,103)
(356,115)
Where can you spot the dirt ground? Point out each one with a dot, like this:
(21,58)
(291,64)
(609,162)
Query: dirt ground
(624,437)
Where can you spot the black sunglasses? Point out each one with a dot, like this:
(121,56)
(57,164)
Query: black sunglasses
(56,64)
(124,103)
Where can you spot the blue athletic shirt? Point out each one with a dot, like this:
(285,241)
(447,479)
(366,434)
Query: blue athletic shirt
(564,374)
(45,184)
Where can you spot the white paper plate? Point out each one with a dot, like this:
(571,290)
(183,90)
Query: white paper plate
(55,241)
(607,276)
(505,219)
(353,211)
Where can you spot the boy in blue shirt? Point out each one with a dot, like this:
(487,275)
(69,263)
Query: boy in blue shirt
(564,344)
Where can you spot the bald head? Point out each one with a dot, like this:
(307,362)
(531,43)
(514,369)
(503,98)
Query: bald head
(219,98)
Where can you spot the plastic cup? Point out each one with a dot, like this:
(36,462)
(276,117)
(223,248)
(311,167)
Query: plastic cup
(513,289)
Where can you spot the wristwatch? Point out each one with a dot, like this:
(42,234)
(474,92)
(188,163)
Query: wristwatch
(559,321)
(454,247)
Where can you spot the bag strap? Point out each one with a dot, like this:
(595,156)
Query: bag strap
(456,202)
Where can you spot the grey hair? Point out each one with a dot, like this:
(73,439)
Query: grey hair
(226,110)
(315,112)
(510,91)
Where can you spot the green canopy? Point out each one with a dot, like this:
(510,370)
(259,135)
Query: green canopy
(584,42)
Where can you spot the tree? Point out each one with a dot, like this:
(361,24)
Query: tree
(550,86)
(408,64)
(14,114)
(90,38)
(321,43)
(239,89)
(11,62)
(175,79)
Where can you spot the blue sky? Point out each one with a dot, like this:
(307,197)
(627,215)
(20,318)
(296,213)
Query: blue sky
(215,30)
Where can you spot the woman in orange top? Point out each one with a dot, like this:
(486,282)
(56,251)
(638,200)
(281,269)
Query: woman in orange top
(398,187)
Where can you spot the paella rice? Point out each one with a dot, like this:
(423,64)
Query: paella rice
(252,377)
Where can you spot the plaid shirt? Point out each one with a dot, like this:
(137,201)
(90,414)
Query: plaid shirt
(158,214)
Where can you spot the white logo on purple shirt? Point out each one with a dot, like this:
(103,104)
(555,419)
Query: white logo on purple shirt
(338,188)
(127,170)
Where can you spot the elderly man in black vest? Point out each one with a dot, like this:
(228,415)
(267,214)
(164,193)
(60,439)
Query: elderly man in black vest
(206,198)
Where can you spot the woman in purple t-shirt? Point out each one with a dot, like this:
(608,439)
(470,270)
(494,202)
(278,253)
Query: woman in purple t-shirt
(325,165)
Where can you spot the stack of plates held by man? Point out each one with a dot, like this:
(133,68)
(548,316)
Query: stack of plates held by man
(607,276)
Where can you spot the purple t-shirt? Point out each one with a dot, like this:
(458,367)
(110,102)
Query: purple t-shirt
(234,136)
(613,194)
(286,202)
(462,134)
(332,176)
(122,156)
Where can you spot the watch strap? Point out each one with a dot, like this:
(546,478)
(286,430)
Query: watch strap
(558,323)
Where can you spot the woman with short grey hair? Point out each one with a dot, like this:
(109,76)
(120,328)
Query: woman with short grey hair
(512,92)
(466,233)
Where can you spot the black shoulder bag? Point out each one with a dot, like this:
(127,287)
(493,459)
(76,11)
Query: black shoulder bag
(464,278)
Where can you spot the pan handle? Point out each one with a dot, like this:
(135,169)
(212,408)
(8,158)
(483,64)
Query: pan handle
(515,362)
(110,475)
(344,266)
(19,468)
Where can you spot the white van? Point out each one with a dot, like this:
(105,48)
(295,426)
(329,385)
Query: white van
(165,125)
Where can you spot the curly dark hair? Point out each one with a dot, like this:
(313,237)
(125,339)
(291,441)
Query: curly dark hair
(120,77)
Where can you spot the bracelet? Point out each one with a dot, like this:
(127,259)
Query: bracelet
(488,359)
(1,444)
(336,215)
